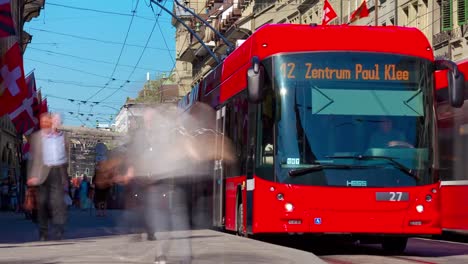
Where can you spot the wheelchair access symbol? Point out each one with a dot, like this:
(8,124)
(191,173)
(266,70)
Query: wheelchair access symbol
(318,221)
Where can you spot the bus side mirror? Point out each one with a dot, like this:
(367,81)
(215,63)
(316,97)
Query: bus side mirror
(255,80)
(456,82)
(456,88)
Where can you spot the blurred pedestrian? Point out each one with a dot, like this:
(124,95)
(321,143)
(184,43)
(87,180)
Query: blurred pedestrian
(84,192)
(5,190)
(14,198)
(103,181)
(48,170)
(151,163)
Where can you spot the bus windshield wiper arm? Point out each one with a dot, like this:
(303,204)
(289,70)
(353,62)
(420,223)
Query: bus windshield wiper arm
(392,161)
(319,167)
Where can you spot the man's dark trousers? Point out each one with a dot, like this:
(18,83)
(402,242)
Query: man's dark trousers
(51,202)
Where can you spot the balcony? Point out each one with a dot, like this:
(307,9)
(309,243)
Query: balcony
(306,4)
(441,38)
(181,14)
(195,48)
(211,3)
(244,3)
(262,5)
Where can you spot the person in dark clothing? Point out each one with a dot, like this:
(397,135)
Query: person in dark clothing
(102,187)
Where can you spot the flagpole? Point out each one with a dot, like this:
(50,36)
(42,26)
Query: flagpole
(349,12)
(376,12)
(341,12)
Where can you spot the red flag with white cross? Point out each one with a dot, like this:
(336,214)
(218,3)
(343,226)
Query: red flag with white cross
(7,27)
(13,88)
(328,13)
(44,107)
(25,117)
(359,13)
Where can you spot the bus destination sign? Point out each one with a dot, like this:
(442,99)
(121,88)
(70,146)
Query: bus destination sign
(376,72)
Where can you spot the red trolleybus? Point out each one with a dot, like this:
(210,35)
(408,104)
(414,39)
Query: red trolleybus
(334,132)
(453,146)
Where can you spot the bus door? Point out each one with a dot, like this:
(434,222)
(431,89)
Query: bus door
(251,154)
(218,175)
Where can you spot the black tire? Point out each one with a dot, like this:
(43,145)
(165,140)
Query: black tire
(240,220)
(395,244)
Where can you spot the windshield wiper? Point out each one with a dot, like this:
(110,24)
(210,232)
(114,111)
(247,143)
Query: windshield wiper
(392,161)
(319,167)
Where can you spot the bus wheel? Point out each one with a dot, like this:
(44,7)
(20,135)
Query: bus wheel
(240,220)
(395,244)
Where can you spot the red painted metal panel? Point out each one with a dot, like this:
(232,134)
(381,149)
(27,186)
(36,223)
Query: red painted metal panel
(343,210)
(454,206)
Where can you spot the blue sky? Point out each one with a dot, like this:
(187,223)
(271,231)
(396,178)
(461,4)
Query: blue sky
(74,54)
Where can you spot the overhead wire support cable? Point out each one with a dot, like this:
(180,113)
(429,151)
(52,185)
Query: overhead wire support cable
(93,60)
(225,40)
(120,55)
(91,39)
(189,29)
(140,57)
(95,10)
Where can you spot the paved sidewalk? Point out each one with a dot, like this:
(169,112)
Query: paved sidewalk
(208,246)
(91,239)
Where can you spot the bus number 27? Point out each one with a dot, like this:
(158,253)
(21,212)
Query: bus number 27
(395,196)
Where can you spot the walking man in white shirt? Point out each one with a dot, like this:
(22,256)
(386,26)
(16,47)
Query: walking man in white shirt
(48,169)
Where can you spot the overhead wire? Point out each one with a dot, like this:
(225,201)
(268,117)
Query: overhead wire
(79,84)
(74,69)
(141,54)
(120,54)
(90,59)
(78,100)
(96,10)
(174,61)
(92,39)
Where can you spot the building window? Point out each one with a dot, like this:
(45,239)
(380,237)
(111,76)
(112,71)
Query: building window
(406,18)
(446,8)
(462,12)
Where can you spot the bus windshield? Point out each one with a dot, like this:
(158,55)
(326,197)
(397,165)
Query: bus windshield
(332,108)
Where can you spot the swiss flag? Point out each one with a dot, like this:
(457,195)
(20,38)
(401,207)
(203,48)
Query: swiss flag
(25,117)
(44,107)
(12,84)
(7,27)
(36,107)
(361,12)
(328,13)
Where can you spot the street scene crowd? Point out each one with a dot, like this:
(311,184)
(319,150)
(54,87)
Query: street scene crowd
(156,164)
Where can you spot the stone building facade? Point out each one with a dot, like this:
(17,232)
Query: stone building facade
(444,22)
(10,146)
(10,142)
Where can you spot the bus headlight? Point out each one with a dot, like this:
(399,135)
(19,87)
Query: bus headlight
(289,207)
(419,208)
